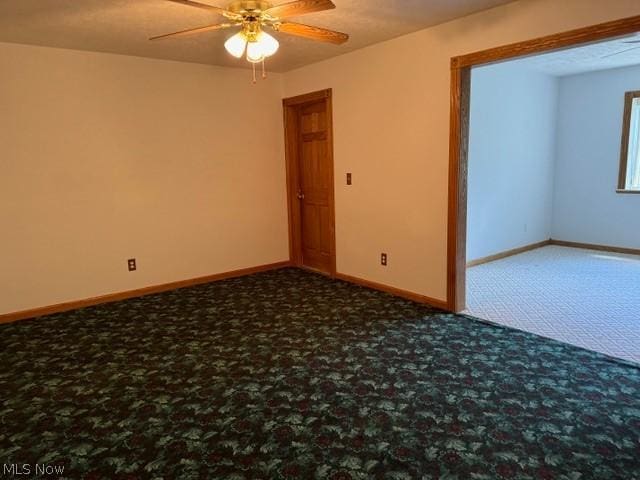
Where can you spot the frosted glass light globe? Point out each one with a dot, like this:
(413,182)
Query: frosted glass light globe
(236,45)
(269,44)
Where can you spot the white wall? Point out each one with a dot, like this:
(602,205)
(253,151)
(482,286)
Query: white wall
(587,208)
(106,157)
(511,158)
(391,121)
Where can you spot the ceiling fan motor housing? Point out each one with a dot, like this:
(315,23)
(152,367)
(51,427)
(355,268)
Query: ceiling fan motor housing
(249,7)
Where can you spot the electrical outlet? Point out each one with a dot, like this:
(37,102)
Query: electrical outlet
(131,263)
(349,179)
(383,259)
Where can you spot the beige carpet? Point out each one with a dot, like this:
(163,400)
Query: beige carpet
(583,297)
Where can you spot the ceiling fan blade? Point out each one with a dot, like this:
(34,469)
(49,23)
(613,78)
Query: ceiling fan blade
(314,33)
(299,7)
(620,52)
(203,6)
(192,31)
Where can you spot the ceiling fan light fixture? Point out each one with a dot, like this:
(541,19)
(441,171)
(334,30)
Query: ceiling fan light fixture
(255,52)
(269,44)
(252,16)
(262,47)
(236,45)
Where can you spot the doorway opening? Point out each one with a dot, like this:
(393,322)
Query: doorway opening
(537,233)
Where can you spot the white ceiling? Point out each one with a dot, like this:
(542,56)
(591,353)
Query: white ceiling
(588,58)
(123,27)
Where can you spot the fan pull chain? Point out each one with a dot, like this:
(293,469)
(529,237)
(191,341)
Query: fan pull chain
(264,71)
(254,73)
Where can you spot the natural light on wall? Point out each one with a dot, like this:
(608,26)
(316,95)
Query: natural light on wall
(633,158)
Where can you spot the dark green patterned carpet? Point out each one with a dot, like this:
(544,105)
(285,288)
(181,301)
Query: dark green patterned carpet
(291,375)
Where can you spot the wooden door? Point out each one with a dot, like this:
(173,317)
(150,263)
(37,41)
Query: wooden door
(310,178)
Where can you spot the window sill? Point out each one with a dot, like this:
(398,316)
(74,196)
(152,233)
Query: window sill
(622,190)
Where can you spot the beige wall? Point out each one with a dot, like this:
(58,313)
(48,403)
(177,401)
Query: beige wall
(106,157)
(391,121)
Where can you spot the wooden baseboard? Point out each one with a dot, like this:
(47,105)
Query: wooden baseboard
(393,291)
(599,248)
(139,292)
(508,253)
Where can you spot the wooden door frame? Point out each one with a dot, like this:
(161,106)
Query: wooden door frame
(290,106)
(459,132)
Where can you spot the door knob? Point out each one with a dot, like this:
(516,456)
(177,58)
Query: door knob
(300,195)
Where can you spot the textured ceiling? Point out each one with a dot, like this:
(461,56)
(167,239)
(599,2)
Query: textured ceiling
(597,56)
(123,26)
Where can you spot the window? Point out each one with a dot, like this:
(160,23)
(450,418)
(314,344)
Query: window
(629,181)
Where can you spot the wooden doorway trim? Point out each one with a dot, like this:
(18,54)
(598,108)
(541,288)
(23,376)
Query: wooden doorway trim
(290,106)
(459,132)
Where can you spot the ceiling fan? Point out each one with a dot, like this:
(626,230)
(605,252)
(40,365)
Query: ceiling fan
(252,16)
(629,42)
